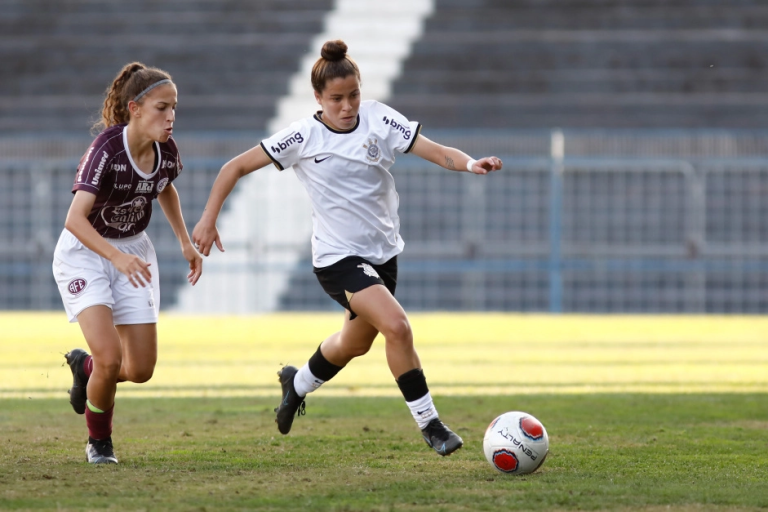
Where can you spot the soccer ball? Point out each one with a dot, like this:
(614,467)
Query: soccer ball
(516,443)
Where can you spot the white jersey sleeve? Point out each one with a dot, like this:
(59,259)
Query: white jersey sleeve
(288,146)
(402,133)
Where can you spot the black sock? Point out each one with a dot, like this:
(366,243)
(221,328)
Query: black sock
(413,384)
(321,367)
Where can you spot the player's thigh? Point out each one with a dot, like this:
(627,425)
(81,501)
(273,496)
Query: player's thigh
(136,305)
(81,277)
(379,308)
(139,343)
(103,339)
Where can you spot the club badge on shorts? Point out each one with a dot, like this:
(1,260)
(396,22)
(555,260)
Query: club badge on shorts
(368,270)
(76,286)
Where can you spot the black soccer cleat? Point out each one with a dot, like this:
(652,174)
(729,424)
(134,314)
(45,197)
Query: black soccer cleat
(292,403)
(440,438)
(99,451)
(77,393)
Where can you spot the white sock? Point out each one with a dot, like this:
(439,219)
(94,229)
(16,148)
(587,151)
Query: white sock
(423,410)
(305,382)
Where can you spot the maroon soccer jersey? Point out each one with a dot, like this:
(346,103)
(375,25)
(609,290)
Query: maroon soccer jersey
(124,193)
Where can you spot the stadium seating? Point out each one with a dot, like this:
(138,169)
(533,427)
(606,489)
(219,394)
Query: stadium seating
(589,63)
(480,63)
(231,59)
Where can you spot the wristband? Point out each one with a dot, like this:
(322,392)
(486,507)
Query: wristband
(470,164)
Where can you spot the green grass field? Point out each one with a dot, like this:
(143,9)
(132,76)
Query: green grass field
(643,413)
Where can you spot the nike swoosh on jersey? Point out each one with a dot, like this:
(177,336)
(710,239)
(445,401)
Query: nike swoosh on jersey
(321,160)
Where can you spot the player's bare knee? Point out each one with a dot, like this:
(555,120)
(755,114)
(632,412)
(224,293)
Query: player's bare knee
(109,367)
(141,375)
(398,331)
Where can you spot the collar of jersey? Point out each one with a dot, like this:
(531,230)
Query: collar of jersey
(318,118)
(133,164)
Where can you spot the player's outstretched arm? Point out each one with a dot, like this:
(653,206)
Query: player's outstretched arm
(169,202)
(205,233)
(77,223)
(454,159)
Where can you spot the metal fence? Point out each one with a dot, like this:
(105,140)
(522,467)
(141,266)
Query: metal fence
(652,221)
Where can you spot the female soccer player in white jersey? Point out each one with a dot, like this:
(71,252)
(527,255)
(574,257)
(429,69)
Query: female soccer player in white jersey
(342,156)
(104,263)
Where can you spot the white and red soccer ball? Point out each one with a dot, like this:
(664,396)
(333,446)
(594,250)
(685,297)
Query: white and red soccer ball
(516,443)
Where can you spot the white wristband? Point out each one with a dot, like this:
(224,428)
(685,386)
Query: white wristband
(470,164)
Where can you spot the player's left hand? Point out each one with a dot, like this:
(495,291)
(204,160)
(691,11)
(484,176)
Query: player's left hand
(205,235)
(195,262)
(487,164)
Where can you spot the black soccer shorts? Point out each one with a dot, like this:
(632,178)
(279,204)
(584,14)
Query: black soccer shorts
(352,274)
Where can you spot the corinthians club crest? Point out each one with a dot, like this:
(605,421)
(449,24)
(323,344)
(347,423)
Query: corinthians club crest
(374,153)
(368,270)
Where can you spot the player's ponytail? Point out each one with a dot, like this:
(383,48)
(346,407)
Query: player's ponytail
(333,63)
(129,82)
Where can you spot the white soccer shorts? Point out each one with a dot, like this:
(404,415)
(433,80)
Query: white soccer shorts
(86,279)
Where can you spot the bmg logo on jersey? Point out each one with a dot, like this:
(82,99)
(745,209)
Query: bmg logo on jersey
(397,126)
(288,141)
(76,286)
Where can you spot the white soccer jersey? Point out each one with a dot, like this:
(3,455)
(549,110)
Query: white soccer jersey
(346,174)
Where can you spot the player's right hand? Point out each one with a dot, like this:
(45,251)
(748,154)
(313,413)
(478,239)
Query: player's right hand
(204,236)
(135,269)
(195,262)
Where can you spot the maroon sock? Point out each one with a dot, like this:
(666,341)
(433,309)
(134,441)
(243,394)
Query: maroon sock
(88,366)
(99,423)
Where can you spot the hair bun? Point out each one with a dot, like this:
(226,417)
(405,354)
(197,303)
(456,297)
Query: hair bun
(134,67)
(334,50)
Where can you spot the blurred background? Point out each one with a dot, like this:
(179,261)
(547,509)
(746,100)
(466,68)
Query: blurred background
(633,134)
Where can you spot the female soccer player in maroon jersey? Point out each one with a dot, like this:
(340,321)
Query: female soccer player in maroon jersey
(104,263)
